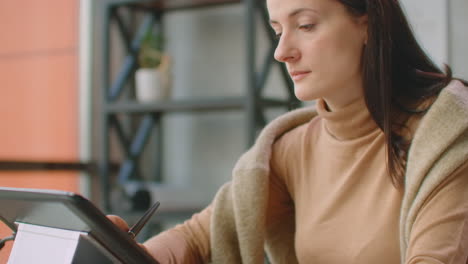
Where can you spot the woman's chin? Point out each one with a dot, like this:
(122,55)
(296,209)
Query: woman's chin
(304,95)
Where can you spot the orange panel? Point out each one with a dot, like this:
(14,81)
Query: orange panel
(38,108)
(31,26)
(39,92)
(5,252)
(57,180)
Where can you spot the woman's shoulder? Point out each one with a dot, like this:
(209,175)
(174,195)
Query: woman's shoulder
(458,91)
(294,138)
(454,97)
(452,102)
(445,122)
(259,154)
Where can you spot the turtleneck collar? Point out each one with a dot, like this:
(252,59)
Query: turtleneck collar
(350,122)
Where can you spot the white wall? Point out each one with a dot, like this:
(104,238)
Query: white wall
(430,26)
(458,41)
(440,26)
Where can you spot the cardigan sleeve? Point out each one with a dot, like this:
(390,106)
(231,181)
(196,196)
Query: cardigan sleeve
(440,230)
(185,243)
(280,219)
(280,203)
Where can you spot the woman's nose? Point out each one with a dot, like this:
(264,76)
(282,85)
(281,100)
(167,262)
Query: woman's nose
(286,51)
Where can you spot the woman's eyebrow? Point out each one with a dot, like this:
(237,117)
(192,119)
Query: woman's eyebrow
(295,12)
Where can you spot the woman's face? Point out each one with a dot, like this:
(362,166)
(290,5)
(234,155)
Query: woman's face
(321,45)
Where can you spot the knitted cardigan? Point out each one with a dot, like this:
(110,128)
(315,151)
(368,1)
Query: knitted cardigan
(238,231)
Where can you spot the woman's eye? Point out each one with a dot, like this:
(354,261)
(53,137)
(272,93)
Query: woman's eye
(307,27)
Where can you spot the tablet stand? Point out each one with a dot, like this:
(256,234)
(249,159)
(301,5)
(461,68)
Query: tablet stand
(41,245)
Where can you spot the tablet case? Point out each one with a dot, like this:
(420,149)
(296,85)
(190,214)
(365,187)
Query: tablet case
(70,211)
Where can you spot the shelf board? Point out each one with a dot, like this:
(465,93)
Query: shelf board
(166,5)
(176,200)
(188,105)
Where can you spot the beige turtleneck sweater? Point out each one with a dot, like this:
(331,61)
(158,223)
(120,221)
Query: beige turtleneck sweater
(330,173)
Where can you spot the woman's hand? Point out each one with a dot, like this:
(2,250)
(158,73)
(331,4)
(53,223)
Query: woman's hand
(120,223)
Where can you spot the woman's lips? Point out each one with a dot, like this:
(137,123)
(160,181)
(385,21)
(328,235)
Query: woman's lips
(299,75)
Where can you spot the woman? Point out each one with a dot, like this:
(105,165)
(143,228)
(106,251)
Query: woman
(377,173)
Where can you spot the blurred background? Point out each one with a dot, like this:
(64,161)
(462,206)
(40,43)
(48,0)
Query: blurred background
(73,118)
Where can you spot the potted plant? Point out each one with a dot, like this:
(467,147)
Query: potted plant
(152,77)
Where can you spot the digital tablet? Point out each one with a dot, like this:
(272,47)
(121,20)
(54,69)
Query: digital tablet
(67,210)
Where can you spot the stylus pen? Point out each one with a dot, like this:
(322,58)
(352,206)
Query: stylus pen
(136,228)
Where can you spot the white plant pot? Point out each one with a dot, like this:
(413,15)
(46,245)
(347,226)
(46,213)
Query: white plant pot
(151,85)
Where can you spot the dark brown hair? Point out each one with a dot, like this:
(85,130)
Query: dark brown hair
(397,74)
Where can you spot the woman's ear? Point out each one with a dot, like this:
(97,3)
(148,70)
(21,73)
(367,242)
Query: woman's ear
(363,23)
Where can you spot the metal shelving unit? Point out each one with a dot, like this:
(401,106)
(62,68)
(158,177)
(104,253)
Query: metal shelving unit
(252,103)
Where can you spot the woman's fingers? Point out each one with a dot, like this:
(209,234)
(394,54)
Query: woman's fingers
(118,221)
(144,248)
